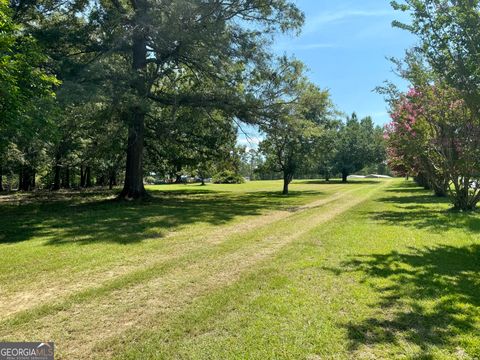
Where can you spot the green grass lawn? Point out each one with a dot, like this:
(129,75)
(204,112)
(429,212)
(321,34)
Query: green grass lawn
(365,270)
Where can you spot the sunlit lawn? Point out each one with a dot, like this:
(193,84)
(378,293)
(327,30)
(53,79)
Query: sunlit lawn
(367,270)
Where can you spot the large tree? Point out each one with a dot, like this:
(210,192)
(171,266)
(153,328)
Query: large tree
(211,40)
(183,53)
(24,85)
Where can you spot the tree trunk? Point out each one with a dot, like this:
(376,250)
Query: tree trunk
(32,180)
(26,179)
(285,187)
(112,181)
(440,189)
(101,181)
(461,201)
(178,174)
(287,179)
(88,177)
(82,176)
(66,178)
(133,187)
(422,180)
(20,178)
(203,181)
(1,178)
(344,176)
(56,180)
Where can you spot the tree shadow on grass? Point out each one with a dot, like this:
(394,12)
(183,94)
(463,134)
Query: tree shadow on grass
(339,182)
(100,218)
(434,220)
(422,210)
(426,297)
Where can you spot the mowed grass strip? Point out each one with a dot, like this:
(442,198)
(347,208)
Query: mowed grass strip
(141,293)
(61,316)
(74,244)
(396,277)
(358,271)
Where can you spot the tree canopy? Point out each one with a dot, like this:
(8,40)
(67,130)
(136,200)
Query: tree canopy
(435,125)
(149,88)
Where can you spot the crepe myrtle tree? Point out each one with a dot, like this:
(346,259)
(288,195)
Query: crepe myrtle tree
(449,34)
(434,131)
(408,137)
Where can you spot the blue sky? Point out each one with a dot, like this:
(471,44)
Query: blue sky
(344,44)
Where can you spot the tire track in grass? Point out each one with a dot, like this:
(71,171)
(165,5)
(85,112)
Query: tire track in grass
(79,327)
(162,263)
(179,243)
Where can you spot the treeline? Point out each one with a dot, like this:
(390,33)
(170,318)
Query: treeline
(310,140)
(435,130)
(106,93)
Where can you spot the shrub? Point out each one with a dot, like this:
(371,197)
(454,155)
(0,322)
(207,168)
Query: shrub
(228,177)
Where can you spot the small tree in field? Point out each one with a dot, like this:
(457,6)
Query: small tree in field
(288,146)
(292,138)
(358,144)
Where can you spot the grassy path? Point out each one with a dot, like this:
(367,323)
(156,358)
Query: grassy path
(173,246)
(269,282)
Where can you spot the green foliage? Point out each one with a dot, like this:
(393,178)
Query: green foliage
(449,34)
(169,81)
(250,163)
(26,93)
(24,83)
(443,71)
(294,132)
(435,137)
(359,143)
(249,275)
(184,139)
(139,64)
(228,177)
(21,77)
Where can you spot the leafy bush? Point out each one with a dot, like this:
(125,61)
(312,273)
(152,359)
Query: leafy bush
(228,177)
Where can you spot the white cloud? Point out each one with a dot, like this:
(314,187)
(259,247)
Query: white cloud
(330,17)
(316,46)
(292,46)
(379,114)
